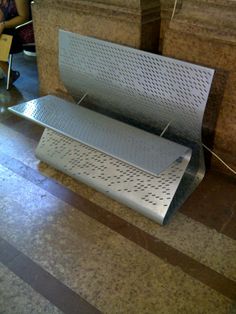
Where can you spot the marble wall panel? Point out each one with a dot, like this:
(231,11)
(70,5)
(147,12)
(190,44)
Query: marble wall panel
(133,23)
(204,32)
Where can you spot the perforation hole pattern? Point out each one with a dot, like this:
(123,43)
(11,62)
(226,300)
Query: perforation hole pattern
(144,150)
(149,88)
(111,175)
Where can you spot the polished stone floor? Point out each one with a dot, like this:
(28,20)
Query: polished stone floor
(65,248)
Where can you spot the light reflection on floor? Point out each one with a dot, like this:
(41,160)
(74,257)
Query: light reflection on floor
(25,88)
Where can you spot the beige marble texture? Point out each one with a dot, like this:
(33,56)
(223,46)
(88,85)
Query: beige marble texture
(204,32)
(15,144)
(103,267)
(183,233)
(126,22)
(17,297)
(190,237)
(167,7)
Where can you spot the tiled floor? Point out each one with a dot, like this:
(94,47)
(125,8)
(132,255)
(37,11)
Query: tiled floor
(67,248)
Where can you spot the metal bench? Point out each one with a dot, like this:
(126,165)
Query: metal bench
(118,147)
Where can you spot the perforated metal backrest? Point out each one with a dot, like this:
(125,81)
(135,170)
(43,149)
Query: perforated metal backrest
(145,87)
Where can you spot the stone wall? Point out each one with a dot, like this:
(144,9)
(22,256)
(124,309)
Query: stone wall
(204,32)
(130,22)
(167,7)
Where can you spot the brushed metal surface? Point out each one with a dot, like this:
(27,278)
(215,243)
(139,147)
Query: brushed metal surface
(151,89)
(136,147)
(147,194)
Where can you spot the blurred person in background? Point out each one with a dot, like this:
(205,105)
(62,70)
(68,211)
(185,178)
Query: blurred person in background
(12,14)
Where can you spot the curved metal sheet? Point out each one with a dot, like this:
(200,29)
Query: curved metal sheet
(150,195)
(146,87)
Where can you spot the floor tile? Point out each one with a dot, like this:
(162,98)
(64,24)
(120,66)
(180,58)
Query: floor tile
(103,267)
(18,297)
